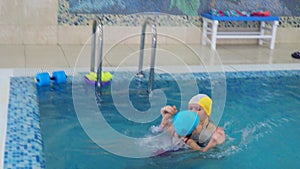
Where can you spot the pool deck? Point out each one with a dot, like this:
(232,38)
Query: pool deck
(65,56)
(26,60)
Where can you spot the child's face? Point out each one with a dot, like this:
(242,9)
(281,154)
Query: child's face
(199,110)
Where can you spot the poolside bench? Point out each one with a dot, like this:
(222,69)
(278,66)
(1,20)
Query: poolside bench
(211,22)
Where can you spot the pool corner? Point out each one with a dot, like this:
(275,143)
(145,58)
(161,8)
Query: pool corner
(5,75)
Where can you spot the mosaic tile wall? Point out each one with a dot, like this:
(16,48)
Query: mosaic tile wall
(125,7)
(65,17)
(23,144)
(289,14)
(183,7)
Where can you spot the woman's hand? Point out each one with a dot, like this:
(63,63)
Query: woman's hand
(219,135)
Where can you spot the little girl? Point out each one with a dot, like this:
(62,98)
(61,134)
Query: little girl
(206,135)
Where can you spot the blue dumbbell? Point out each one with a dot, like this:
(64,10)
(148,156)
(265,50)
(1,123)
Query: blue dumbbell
(43,79)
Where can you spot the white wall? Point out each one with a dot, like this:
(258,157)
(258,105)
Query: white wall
(35,22)
(28,21)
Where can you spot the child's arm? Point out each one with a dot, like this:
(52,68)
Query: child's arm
(167,112)
(193,145)
(218,137)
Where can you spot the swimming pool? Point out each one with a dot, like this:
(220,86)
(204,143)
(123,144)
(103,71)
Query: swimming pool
(260,120)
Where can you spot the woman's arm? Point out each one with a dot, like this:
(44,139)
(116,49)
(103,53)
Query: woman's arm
(219,135)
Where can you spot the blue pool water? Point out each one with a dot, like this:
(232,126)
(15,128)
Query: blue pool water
(261,120)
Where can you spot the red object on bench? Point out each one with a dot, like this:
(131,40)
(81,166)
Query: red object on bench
(266,13)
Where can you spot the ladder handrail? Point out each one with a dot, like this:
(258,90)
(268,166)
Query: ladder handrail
(93,48)
(100,53)
(149,22)
(98,33)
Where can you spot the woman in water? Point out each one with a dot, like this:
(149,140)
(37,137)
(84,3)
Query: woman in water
(205,134)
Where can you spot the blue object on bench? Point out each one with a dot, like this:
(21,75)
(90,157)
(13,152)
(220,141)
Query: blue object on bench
(240,18)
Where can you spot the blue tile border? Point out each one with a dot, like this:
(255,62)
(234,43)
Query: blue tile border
(263,74)
(205,75)
(23,144)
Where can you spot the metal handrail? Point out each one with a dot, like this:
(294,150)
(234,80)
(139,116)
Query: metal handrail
(93,48)
(100,53)
(97,34)
(140,73)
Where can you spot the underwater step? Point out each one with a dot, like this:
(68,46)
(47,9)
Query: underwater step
(91,78)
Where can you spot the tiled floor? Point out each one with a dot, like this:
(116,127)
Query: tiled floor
(67,56)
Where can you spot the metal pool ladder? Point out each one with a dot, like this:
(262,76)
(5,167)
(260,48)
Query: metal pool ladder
(140,73)
(98,34)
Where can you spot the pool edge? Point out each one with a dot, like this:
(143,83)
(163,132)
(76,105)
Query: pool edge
(5,75)
(172,69)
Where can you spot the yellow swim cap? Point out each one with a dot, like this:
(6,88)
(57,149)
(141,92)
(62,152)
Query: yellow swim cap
(204,101)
